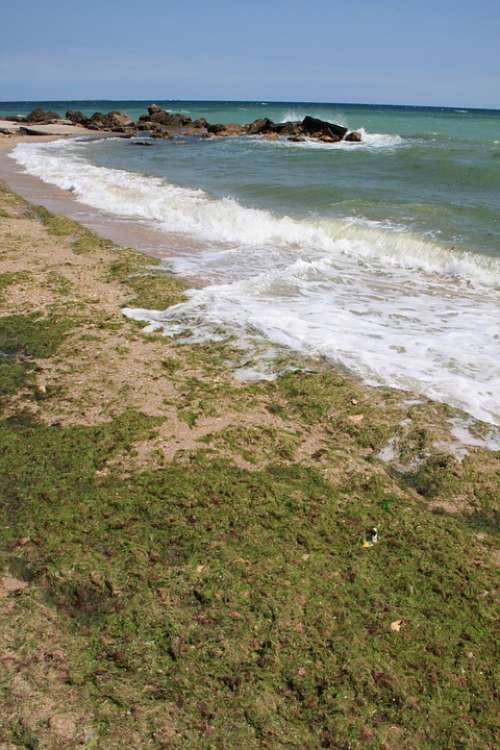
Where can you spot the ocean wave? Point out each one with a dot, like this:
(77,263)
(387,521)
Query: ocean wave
(369,141)
(389,305)
(389,329)
(194,212)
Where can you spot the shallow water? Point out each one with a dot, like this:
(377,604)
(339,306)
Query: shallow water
(383,256)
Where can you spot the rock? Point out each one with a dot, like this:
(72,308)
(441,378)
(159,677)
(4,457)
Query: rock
(75,116)
(288,128)
(231,129)
(153,109)
(39,115)
(271,136)
(325,138)
(262,125)
(296,139)
(200,123)
(161,117)
(175,120)
(354,137)
(96,119)
(141,143)
(31,131)
(110,121)
(215,128)
(119,119)
(315,127)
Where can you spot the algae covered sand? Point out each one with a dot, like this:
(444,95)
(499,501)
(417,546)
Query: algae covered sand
(185,558)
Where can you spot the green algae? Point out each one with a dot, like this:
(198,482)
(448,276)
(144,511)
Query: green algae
(250,594)
(205,606)
(33,335)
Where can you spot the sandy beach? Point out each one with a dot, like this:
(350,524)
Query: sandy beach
(154,502)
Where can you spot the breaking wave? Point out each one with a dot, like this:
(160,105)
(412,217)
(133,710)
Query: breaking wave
(389,305)
(194,212)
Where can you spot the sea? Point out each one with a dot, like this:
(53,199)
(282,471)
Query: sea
(382,257)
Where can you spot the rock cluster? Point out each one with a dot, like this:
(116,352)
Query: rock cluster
(160,123)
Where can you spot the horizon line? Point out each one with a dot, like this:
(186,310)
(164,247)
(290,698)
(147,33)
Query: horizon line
(260,101)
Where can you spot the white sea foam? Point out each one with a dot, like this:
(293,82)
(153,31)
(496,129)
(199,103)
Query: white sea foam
(389,305)
(294,115)
(370,141)
(192,211)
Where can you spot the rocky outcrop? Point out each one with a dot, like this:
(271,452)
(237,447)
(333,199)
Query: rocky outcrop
(262,125)
(215,128)
(231,129)
(354,137)
(314,127)
(290,128)
(200,123)
(42,117)
(160,123)
(76,117)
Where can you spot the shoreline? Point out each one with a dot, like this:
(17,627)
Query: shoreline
(132,233)
(187,560)
(122,231)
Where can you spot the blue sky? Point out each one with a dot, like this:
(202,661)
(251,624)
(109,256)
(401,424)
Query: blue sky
(441,52)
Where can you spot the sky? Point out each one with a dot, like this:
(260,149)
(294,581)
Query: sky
(380,51)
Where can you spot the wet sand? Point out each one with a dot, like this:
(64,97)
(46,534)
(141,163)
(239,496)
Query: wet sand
(122,231)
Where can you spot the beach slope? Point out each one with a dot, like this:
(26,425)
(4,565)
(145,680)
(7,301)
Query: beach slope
(189,561)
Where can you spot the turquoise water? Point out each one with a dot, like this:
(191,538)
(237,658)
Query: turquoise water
(443,180)
(383,256)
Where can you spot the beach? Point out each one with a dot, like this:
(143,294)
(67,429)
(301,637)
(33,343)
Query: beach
(208,541)
(380,256)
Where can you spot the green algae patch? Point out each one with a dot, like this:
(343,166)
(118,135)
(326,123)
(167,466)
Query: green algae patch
(84,241)
(247,601)
(153,288)
(256,444)
(58,226)
(13,375)
(33,335)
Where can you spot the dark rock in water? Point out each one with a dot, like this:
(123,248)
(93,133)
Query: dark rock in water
(13,118)
(161,117)
(75,116)
(178,121)
(116,121)
(231,128)
(216,127)
(39,115)
(166,118)
(296,139)
(326,138)
(315,127)
(288,128)
(153,109)
(141,143)
(262,125)
(200,123)
(354,137)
